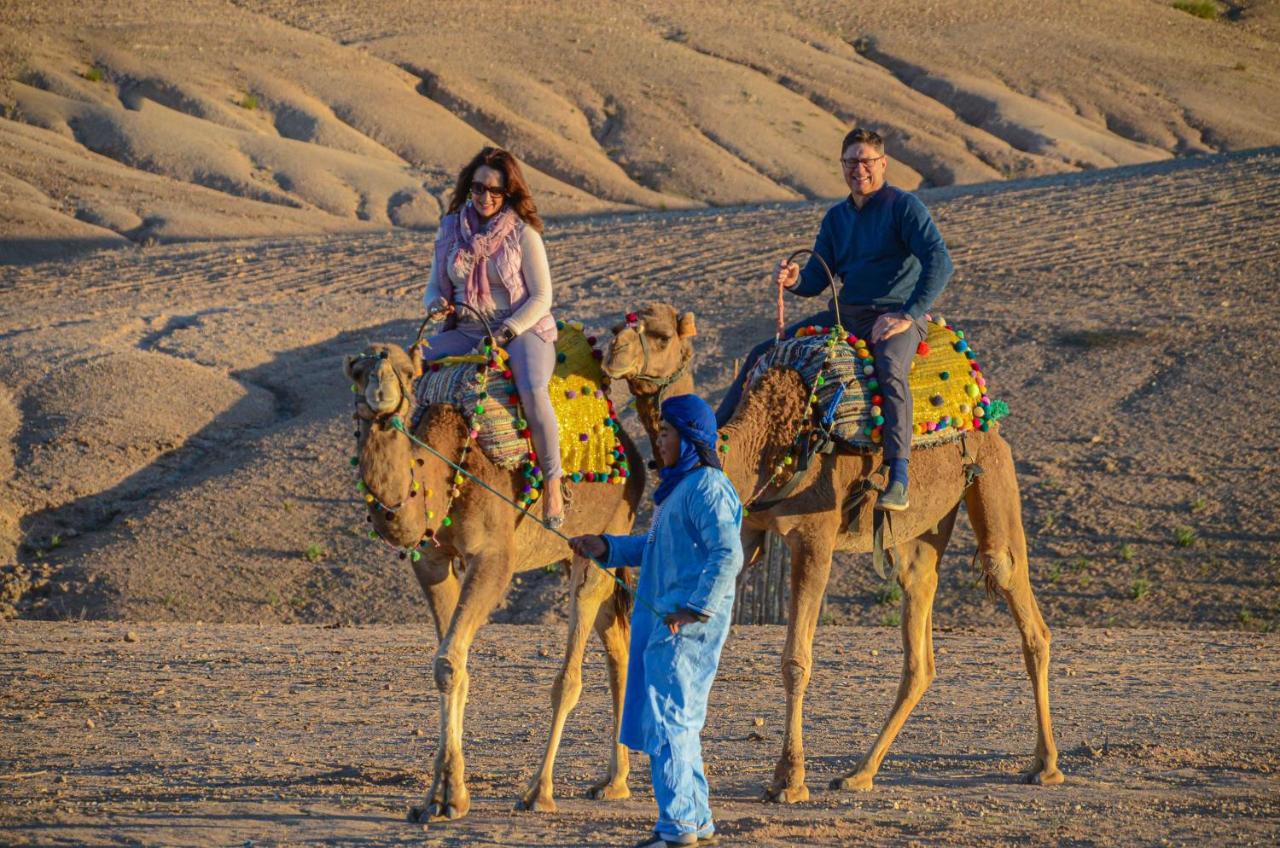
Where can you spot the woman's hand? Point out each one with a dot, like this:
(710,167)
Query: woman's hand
(590,546)
(787,274)
(439,308)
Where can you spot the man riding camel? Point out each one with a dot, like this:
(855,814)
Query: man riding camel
(892,263)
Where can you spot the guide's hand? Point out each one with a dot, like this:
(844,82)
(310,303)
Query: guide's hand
(678,619)
(590,546)
(787,274)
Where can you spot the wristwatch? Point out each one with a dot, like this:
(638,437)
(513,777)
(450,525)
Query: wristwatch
(505,335)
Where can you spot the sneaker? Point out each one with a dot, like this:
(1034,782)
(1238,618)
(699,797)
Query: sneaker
(893,498)
(657,840)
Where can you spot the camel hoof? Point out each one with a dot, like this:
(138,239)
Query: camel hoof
(417,815)
(444,812)
(537,804)
(607,791)
(1043,776)
(786,794)
(853,783)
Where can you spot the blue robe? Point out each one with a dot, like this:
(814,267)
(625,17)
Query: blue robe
(689,559)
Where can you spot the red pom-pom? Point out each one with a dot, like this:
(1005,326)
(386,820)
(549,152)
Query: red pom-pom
(631,316)
(598,354)
(877,400)
(922,349)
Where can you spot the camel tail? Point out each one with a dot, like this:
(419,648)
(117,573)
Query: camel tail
(624,599)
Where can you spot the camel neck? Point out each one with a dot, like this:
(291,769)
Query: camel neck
(649,408)
(763,429)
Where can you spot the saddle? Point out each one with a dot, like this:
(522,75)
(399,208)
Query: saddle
(482,387)
(949,392)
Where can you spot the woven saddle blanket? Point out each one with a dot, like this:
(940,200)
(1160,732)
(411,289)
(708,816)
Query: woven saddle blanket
(948,390)
(482,387)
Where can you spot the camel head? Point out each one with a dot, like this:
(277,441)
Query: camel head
(654,347)
(382,375)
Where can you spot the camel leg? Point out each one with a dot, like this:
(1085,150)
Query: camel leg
(440,584)
(486,578)
(591,588)
(996,513)
(613,625)
(918,577)
(810,567)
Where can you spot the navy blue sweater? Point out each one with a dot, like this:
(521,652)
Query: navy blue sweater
(889,254)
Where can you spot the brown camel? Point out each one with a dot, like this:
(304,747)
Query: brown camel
(825,513)
(491,541)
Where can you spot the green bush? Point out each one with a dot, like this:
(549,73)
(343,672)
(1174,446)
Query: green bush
(249,102)
(94,74)
(1139,589)
(1199,8)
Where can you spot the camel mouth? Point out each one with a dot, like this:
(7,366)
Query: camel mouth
(618,373)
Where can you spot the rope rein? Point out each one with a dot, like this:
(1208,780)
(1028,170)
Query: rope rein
(397,423)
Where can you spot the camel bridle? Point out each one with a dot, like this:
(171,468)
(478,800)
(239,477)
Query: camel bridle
(658,385)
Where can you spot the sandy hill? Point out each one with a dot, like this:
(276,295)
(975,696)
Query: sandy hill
(128,122)
(175,426)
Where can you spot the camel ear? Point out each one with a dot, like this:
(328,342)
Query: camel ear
(415,359)
(686,327)
(349,365)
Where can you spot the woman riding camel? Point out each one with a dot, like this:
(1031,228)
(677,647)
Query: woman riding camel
(492,233)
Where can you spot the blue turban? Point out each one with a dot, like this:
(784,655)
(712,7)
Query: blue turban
(695,421)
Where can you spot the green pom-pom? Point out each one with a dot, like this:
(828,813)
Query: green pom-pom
(415,556)
(373,534)
(355,461)
(360,486)
(479,409)
(447,522)
(999,409)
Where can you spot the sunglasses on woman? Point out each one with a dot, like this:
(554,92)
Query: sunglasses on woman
(479,189)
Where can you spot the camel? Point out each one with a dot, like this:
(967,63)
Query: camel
(828,512)
(491,541)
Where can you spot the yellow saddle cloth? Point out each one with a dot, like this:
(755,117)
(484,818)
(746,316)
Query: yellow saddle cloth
(948,389)
(483,388)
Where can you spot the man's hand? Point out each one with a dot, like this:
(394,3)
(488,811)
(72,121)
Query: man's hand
(787,274)
(590,546)
(678,619)
(889,325)
(439,308)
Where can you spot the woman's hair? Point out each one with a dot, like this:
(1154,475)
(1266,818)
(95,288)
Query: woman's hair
(518,195)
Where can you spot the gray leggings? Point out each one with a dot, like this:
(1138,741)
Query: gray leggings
(532,361)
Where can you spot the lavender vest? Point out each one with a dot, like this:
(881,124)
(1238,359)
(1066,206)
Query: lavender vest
(506,259)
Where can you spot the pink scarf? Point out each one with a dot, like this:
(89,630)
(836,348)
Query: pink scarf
(476,244)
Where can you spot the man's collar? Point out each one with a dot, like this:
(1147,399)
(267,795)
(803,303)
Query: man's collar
(875,197)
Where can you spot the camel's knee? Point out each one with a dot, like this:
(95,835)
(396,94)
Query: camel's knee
(997,569)
(446,674)
(795,674)
(1036,639)
(567,685)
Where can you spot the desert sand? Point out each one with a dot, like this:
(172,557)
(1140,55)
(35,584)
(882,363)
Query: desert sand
(205,206)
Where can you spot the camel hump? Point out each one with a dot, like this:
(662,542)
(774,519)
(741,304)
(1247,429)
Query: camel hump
(483,389)
(949,390)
